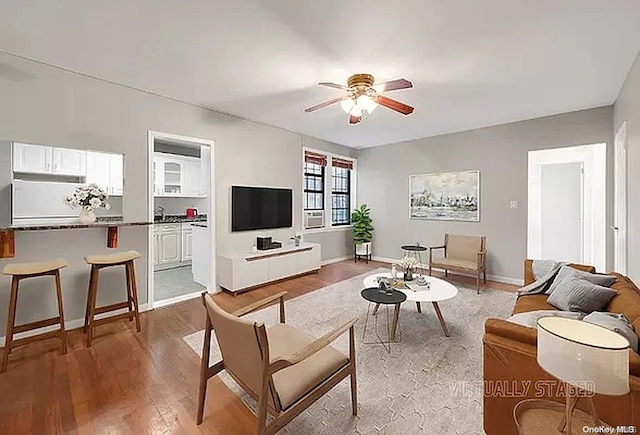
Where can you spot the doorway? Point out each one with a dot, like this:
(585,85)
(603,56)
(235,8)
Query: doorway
(181,206)
(567,205)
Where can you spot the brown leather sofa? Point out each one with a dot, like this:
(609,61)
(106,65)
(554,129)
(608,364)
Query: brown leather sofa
(510,363)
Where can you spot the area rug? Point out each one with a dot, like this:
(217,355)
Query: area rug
(428,384)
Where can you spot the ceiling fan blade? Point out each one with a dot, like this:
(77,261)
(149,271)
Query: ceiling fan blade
(394,105)
(354,119)
(325,104)
(333,85)
(393,85)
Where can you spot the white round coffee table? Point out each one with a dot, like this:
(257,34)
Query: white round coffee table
(440,290)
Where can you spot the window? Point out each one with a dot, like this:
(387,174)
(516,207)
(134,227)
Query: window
(314,165)
(329,184)
(340,195)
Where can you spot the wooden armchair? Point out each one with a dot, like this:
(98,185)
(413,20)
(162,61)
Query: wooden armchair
(466,254)
(283,368)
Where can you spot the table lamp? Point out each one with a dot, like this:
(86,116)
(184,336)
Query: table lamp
(590,359)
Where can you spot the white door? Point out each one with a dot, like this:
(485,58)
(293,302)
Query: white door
(561,212)
(31,158)
(170,247)
(98,169)
(620,201)
(69,162)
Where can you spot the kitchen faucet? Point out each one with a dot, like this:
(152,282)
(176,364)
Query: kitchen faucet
(159,211)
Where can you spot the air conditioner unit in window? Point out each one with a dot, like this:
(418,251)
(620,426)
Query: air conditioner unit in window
(313,219)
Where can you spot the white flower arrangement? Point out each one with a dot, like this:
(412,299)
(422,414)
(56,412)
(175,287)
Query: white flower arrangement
(408,263)
(88,198)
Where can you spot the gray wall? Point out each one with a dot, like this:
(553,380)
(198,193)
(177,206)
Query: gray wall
(5,183)
(627,108)
(500,153)
(65,109)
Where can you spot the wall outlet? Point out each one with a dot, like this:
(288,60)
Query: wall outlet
(513,205)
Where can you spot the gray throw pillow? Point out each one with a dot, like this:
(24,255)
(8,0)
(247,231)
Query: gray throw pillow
(530,318)
(576,294)
(616,323)
(569,272)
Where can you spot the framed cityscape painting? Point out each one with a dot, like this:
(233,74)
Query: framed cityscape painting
(450,196)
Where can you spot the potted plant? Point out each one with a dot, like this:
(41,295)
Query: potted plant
(362,229)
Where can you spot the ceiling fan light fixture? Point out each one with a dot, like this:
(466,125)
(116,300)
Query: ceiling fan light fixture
(356,111)
(347,104)
(366,103)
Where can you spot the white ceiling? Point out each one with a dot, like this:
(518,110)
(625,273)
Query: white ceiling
(473,63)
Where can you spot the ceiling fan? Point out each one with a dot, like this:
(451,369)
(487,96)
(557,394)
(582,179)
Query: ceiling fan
(362,97)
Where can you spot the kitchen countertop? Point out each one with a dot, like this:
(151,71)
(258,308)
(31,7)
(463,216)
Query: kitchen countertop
(77,225)
(177,219)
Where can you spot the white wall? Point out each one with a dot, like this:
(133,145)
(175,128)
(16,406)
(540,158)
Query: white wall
(500,153)
(69,110)
(627,108)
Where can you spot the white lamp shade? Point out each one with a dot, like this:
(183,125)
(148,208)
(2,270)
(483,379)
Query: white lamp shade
(584,355)
(366,103)
(347,104)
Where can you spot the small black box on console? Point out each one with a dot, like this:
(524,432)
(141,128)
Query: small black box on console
(263,243)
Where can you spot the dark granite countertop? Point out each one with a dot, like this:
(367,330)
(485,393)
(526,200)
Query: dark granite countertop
(71,226)
(178,219)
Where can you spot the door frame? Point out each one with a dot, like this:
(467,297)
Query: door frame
(594,223)
(211,217)
(620,200)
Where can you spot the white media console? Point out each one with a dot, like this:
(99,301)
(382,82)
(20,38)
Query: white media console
(244,271)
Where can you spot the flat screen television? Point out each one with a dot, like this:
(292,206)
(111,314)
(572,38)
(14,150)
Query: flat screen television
(260,208)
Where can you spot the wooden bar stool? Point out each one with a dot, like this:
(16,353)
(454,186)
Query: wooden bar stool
(20,271)
(97,263)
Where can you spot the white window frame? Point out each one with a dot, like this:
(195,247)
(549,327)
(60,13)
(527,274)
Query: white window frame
(327,191)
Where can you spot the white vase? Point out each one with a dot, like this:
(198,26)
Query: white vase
(86,216)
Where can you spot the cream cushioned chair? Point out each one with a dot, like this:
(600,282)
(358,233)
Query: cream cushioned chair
(466,254)
(283,368)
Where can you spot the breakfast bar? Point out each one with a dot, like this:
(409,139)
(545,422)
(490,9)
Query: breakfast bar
(7,234)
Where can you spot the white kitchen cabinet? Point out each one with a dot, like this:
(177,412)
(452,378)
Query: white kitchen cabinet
(191,169)
(31,158)
(42,159)
(170,244)
(177,176)
(69,162)
(116,174)
(98,169)
(187,242)
(105,170)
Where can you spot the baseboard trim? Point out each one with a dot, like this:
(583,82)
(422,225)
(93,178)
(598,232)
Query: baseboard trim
(176,300)
(335,260)
(69,324)
(496,278)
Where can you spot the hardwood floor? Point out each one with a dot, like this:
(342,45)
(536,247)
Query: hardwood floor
(136,383)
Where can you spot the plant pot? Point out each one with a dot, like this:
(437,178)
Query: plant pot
(363,248)
(87,216)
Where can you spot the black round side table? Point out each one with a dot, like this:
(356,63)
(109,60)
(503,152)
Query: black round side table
(414,251)
(387,298)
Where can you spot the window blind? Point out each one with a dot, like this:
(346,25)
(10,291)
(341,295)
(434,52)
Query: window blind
(317,159)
